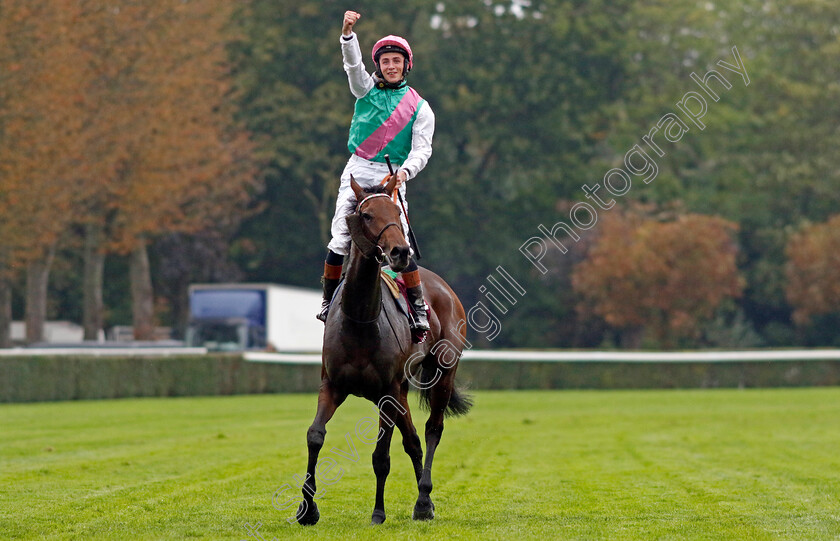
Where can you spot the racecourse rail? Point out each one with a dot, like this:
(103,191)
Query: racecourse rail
(709,356)
(75,373)
(595,356)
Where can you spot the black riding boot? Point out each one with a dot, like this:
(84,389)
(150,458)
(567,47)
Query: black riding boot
(329,289)
(420,321)
(332,276)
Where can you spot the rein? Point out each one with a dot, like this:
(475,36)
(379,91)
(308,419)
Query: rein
(370,249)
(363,322)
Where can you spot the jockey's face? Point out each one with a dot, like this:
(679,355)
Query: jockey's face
(391,65)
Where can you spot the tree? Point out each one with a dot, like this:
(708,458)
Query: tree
(766,156)
(161,123)
(661,277)
(813,270)
(174,257)
(41,74)
(117,118)
(518,93)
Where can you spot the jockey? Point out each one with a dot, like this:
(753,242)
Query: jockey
(390,118)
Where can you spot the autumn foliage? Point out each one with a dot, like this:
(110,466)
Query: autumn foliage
(168,158)
(40,122)
(115,116)
(661,277)
(813,270)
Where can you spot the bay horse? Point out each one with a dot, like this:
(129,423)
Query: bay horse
(368,352)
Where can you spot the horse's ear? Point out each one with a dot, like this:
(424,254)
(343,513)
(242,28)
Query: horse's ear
(356,188)
(392,182)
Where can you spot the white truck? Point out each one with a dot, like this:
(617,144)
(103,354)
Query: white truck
(235,317)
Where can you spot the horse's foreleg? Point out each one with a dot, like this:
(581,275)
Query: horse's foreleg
(424,509)
(328,401)
(381,454)
(411,441)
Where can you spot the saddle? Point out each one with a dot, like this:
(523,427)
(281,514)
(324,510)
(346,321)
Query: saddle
(398,292)
(398,289)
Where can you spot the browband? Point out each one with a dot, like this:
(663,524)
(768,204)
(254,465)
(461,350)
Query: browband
(371,196)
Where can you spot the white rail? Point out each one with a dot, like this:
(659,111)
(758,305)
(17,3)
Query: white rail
(597,356)
(102,351)
(474,355)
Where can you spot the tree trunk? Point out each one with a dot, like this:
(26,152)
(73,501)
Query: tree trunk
(181,311)
(5,312)
(632,338)
(142,297)
(37,279)
(93,307)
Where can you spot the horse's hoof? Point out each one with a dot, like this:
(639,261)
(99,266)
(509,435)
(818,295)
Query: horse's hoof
(423,510)
(378,517)
(308,514)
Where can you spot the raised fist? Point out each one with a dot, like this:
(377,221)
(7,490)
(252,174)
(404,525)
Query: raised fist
(350,18)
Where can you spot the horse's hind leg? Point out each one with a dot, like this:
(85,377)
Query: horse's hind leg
(381,454)
(328,401)
(424,509)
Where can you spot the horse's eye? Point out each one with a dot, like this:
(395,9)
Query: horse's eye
(367,217)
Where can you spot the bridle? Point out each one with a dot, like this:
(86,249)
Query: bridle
(380,255)
(373,250)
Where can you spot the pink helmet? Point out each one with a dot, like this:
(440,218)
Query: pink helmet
(393,44)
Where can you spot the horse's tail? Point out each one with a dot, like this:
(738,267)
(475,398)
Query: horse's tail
(460,401)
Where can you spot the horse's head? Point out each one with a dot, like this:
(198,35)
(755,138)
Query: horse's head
(377,219)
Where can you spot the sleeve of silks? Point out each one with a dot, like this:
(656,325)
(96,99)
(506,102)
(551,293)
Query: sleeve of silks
(360,81)
(421,141)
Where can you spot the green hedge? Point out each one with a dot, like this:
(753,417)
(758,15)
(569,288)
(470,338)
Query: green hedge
(28,379)
(641,375)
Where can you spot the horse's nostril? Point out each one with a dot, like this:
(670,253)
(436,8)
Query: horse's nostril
(399,252)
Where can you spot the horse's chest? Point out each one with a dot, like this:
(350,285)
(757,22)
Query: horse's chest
(361,376)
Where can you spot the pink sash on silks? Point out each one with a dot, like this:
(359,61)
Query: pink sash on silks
(389,129)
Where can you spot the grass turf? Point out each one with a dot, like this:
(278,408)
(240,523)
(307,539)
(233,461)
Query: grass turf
(722,464)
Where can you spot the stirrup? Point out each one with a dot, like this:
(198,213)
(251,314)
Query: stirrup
(419,320)
(325,311)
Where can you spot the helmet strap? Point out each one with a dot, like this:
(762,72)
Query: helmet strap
(382,83)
